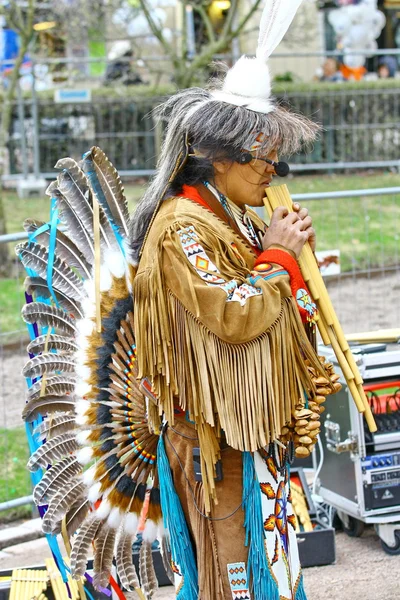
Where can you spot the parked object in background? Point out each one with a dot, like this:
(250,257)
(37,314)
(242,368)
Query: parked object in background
(360,472)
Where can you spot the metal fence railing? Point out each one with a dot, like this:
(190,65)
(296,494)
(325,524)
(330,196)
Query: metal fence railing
(363,225)
(360,125)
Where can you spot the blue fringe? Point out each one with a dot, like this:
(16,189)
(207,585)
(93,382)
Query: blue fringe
(174,521)
(300,594)
(263,584)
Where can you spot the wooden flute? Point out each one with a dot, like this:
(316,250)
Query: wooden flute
(328,324)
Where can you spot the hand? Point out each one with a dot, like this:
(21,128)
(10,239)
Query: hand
(290,230)
(303,214)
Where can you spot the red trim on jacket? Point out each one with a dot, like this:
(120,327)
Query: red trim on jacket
(298,286)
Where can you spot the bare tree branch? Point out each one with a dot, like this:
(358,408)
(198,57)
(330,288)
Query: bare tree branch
(156,30)
(206,20)
(184,47)
(245,20)
(230,18)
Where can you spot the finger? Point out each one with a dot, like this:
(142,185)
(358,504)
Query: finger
(296,207)
(279,213)
(303,213)
(304,224)
(292,218)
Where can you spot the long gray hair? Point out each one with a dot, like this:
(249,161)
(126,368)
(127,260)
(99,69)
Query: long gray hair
(218,130)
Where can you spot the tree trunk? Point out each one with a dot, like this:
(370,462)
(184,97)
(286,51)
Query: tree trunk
(6,114)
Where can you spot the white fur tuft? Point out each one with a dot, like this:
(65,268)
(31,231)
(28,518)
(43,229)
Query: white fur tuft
(131,523)
(150,531)
(115,263)
(82,371)
(89,308)
(85,327)
(115,518)
(249,77)
(88,477)
(82,437)
(81,389)
(94,492)
(104,509)
(248,83)
(84,455)
(105,279)
(81,407)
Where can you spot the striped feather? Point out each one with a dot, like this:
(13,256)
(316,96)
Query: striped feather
(61,503)
(148,578)
(49,363)
(55,385)
(53,426)
(76,515)
(76,231)
(125,567)
(53,450)
(73,184)
(48,316)
(42,405)
(53,342)
(36,257)
(38,288)
(111,187)
(65,248)
(166,558)
(56,477)
(103,556)
(81,545)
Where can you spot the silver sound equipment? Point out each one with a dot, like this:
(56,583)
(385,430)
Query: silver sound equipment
(360,472)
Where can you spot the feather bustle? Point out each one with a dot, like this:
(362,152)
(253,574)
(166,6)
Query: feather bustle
(65,248)
(55,425)
(103,556)
(74,227)
(76,515)
(42,405)
(125,567)
(111,186)
(81,545)
(48,363)
(56,477)
(51,342)
(61,503)
(55,385)
(148,578)
(53,450)
(36,257)
(48,316)
(37,287)
(166,558)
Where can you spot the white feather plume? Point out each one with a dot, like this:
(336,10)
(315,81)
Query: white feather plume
(276,19)
(248,82)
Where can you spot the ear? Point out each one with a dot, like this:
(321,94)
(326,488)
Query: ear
(221,166)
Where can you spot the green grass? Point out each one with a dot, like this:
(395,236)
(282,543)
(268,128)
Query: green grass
(365,229)
(11,302)
(15,480)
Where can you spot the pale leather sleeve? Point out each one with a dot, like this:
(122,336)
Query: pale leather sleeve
(236,310)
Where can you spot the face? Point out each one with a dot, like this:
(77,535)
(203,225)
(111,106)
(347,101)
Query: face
(245,184)
(329,67)
(383,72)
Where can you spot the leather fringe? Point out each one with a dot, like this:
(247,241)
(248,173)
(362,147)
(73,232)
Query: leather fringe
(248,390)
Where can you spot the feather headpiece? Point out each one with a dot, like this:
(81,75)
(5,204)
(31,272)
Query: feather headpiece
(248,82)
